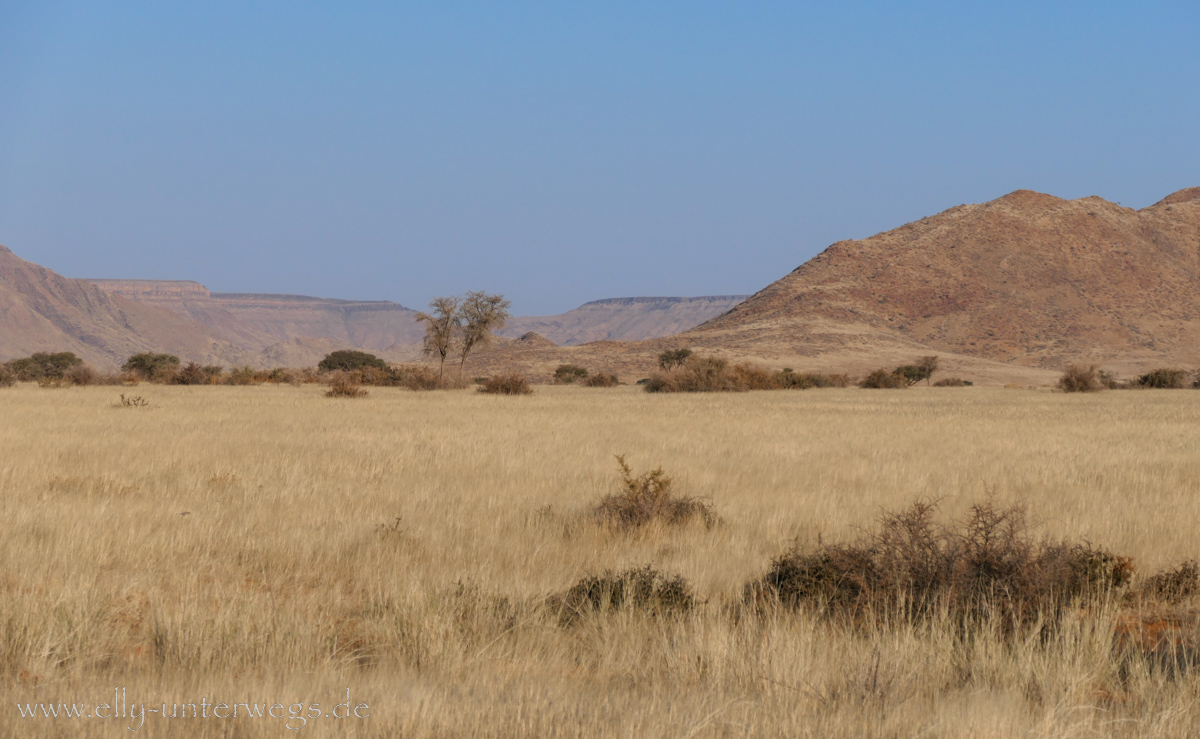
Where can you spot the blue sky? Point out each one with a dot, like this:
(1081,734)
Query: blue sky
(561,152)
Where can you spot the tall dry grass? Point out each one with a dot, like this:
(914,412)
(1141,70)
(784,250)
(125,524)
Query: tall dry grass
(264,543)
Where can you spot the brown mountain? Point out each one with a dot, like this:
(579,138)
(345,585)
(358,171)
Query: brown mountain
(1028,279)
(1006,291)
(44,311)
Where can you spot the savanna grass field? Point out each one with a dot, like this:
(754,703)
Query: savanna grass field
(270,545)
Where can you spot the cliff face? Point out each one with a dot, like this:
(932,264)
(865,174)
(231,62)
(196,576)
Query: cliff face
(1028,278)
(44,311)
(257,322)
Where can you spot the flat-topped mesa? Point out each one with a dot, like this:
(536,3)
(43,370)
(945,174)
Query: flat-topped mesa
(153,289)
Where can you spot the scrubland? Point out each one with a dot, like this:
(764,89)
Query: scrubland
(269,544)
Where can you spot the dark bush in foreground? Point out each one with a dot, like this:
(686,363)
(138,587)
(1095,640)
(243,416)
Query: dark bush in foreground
(650,497)
(1079,379)
(1164,379)
(349,359)
(343,387)
(953,382)
(510,384)
(567,374)
(600,380)
(988,567)
(642,589)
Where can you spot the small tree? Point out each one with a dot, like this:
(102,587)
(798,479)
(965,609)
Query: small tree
(567,374)
(443,324)
(151,366)
(350,360)
(673,358)
(481,314)
(928,365)
(41,365)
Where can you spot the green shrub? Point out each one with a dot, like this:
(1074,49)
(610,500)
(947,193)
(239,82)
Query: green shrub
(348,360)
(673,358)
(8,378)
(1079,379)
(41,365)
(1163,379)
(244,376)
(567,374)
(510,384)
(152,367)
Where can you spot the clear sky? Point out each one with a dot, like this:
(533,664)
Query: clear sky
(561,152)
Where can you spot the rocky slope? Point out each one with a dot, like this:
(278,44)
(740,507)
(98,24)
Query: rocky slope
(1028,279)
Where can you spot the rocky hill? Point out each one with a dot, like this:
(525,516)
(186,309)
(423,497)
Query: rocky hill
(44,311)
(1028,279)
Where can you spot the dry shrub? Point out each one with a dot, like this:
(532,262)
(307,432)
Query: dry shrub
(705,375)
(132,401)
(882,379)
(953,382)
(83,375)
(1079,379)
(1172,585)
(699,374)
(510,384)
(640,589)
(987,568)
(195,374)
(8,378)
(1163,379)
(423,377)
(343,386)
(600,380)
(650,497)
(791,380)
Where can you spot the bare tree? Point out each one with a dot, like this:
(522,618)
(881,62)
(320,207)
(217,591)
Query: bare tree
(481,315)
(928,365)
(443,326)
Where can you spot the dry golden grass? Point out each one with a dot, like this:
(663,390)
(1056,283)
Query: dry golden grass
(265,544)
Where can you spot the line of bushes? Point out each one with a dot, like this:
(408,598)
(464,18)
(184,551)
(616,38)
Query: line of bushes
(1079,378)
(987,571)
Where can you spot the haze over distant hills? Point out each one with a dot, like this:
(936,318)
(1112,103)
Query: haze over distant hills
(1010,289)
(282,323)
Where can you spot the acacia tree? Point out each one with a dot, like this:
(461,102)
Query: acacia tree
(481,314)
(443,324)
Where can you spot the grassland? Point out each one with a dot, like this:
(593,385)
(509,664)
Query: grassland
(270,544)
